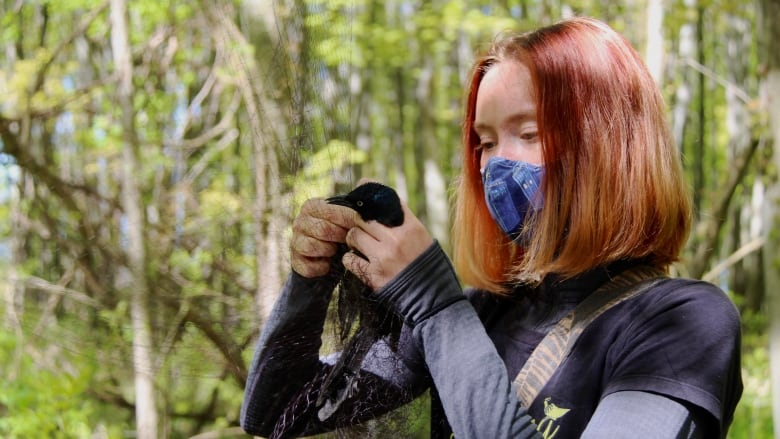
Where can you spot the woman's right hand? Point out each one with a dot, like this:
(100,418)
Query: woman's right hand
(317,231)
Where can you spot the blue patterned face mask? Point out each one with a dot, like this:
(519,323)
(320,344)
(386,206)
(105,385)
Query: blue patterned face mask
(511,190)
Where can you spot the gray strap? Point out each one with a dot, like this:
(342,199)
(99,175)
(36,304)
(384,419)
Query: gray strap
(557,344)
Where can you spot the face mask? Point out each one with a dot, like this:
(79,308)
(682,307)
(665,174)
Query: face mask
(511,190)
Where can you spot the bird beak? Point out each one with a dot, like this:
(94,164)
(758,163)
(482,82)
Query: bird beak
(340,200)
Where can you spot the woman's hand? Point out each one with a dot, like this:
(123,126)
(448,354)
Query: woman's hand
(317,231)
(388,249)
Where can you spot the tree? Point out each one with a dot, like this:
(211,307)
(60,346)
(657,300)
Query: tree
(199,130)
(143,347)
(99,230)
(770,55)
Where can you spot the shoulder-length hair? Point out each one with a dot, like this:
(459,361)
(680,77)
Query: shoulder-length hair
(613,185)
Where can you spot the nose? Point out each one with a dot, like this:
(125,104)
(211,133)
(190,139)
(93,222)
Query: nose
(513,149)
(501,149)
(489,153)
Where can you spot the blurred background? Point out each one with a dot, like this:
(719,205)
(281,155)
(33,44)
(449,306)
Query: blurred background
(154,152)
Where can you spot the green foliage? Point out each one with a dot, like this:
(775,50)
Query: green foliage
(753,417)
(62,7)
(38,401)
(361,87)
(317,176)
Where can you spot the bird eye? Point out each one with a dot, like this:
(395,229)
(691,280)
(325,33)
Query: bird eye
(359,203)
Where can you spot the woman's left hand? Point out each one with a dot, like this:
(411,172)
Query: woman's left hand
(388,249)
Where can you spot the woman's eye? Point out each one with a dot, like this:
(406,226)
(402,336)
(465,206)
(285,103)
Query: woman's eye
(486,145)
(529,135)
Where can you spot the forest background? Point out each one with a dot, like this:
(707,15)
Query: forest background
(154,152)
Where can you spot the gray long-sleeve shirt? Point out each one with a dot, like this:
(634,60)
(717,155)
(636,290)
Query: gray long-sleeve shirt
(443,343)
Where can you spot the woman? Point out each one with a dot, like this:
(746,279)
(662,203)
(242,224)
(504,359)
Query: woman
(569,179)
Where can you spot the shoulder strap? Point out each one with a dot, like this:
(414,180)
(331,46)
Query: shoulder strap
(558,342)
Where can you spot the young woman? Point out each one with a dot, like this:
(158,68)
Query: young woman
(569,179)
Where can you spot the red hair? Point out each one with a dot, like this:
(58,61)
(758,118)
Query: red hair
(613,184)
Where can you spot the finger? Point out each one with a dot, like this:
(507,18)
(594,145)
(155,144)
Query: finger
(310,267)
(379,230)
(357,239)
(340,215)
(373,228)
(359,267)
(318,228)
(311,247)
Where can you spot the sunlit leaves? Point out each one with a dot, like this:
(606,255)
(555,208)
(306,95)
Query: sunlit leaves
(192,265)
(319,172)
(754,413)
(369,86)
(9,27)
(44,402)
(221,206)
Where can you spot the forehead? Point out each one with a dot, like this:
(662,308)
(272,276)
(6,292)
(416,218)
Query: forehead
(505,89)
(508,74)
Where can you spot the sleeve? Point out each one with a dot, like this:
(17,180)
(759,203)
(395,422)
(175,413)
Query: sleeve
(645,415)
(278,371)
(287,371)
(684,344)
(469,375)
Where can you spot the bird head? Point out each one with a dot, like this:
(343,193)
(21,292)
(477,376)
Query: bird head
(373,201)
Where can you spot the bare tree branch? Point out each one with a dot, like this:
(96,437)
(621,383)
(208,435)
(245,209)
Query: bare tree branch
(79,30)
(62,188)
(711,227)
(735,257)
(708,72)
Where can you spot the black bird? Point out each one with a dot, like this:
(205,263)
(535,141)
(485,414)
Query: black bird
(373,201)
(377,202)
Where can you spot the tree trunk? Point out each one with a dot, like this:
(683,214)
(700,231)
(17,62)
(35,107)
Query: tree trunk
(746,223)
(686,48)
(145,404)
(654,45)
(769,40)
(265,121)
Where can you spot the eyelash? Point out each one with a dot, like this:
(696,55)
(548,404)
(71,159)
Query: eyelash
(485,146)
(529,135)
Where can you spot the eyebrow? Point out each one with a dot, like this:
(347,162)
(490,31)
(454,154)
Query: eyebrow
(522,117)
(518,117)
